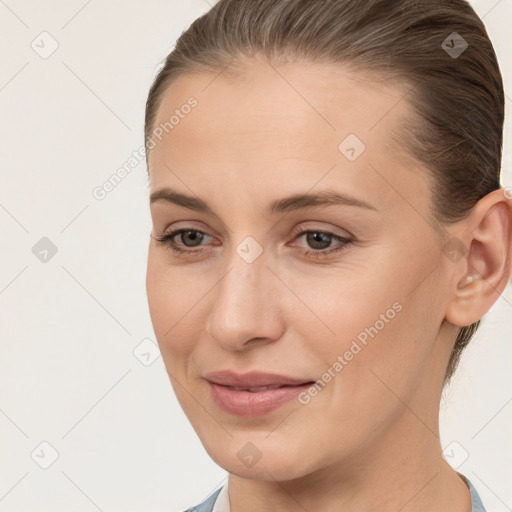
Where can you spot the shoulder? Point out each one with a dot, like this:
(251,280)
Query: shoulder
(207,504)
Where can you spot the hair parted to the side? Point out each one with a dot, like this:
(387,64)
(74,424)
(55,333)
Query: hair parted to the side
(457,130)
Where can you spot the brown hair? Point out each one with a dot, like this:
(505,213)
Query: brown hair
(458,97)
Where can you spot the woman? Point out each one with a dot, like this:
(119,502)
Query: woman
(328,230)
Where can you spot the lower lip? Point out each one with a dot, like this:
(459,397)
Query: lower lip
(253,403)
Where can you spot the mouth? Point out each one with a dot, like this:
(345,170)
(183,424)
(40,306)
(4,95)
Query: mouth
(251,400)
(253,380)
(264,388)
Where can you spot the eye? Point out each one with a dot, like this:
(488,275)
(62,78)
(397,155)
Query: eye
(321,240)
(191,242)
(194,236)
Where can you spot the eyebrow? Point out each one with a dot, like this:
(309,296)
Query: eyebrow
(284,205)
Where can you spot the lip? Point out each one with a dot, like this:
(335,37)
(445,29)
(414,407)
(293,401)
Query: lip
(253,403)
(252,379)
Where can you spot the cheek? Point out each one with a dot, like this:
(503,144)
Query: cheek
(343,305)
(376,318)
(172,298)
(380,350)
(173,304)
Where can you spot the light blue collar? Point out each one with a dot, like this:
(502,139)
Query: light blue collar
(476,502)
(477,505)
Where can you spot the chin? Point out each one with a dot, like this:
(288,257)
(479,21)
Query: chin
(261,459)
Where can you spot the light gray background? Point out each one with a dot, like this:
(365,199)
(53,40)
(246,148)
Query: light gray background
(69,327)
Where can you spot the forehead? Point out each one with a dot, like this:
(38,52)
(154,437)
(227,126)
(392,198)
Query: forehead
(269,123)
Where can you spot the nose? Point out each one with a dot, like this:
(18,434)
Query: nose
(247,309)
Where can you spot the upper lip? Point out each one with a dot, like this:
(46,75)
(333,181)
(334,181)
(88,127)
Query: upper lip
(252,379)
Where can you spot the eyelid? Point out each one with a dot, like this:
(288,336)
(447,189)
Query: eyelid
(185,226)
(342,233)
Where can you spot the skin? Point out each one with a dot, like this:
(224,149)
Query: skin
(370,439)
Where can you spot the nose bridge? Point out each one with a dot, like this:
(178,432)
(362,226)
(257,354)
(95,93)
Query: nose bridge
(246,298)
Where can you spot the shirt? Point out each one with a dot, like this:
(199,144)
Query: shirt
(219,500)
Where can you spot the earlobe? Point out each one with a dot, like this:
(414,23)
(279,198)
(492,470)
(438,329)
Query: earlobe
(487,261)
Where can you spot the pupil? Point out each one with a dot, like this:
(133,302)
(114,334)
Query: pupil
(319,238)
(194,235)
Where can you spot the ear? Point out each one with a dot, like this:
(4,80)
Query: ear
(482,272)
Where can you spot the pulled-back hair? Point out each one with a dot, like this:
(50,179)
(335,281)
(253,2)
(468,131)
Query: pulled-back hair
(455,91)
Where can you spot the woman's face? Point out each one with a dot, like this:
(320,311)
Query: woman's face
(260,291)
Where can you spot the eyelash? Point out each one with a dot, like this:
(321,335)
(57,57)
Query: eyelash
(168,241)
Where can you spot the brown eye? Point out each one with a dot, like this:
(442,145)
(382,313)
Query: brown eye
(189,238)
(320,241)
(194,236)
